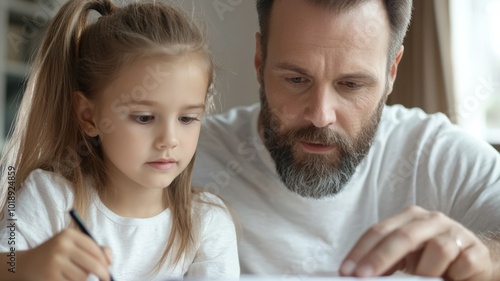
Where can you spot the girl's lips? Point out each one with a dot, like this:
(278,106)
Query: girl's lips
(162,166)
(316,148)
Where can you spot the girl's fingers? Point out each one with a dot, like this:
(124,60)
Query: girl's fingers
(76,251)
(73,272)
(69,255)
(89,264)
(108,253)
(85,243)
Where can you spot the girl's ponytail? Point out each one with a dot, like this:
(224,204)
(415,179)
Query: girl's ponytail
(43,135)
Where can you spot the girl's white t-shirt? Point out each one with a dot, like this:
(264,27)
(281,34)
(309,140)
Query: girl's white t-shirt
(41,211)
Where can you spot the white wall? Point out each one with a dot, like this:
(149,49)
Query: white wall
(232,28)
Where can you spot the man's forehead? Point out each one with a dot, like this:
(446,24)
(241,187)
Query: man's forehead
(328,43)
(300,21)
(333,5)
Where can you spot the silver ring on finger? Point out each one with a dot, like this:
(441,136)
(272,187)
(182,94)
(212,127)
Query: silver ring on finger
(459,244)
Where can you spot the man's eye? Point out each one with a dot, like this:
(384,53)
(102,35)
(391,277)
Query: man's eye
(295,80)
(143,119)
(351,85)
(187,120)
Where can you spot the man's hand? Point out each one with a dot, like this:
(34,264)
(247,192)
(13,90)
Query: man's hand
(420,242)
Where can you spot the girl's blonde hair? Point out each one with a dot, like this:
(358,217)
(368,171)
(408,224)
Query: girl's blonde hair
(81,54)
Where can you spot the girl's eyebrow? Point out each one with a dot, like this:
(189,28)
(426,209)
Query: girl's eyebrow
(139,102)
(195,106)
(151,103)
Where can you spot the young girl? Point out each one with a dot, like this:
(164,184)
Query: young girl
(108,125)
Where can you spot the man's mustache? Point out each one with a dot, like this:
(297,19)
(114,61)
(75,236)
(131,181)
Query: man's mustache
(322,136)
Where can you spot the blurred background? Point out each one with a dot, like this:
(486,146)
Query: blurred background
(451,62)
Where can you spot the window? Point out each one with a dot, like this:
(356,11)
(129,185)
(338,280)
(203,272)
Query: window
(475,27)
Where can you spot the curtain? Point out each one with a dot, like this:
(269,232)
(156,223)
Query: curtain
(424,76)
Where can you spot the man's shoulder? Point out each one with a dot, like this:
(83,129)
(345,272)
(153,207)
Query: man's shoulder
(398,114)
(408,130)
(412,122)
(232,117)
(226,141)
(232,125)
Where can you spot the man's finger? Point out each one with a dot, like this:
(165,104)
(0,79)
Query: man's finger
(437,255)
(400,243)
(371,238)
(374,235)
(470,263)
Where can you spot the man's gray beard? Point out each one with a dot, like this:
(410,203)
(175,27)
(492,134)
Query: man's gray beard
(315,176)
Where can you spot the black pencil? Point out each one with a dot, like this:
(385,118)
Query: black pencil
(82,227)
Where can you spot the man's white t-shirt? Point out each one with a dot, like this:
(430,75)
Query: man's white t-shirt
(415,159)
(137,244)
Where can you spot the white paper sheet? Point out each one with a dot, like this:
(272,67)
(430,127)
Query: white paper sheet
(336,278)
(397,277)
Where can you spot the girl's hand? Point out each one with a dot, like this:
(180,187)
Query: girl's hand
(70,255)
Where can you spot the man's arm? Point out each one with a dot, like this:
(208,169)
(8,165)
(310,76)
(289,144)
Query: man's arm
(492,241)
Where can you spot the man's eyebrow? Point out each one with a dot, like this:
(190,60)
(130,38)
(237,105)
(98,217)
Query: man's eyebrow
(358,76)
(303,71)
(292,67)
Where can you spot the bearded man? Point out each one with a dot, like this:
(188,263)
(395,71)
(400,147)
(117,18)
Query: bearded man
(324,178)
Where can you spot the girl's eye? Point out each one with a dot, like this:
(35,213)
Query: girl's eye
(143,119)
(187,120)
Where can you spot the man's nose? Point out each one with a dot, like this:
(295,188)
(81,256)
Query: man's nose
(321,106)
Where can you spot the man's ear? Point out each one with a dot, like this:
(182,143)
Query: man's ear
(258,57)
(84,109)
(394,69)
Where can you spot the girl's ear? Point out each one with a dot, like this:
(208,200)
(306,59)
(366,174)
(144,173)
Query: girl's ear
(85,111)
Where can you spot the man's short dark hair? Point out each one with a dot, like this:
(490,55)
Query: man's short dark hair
(398,12)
